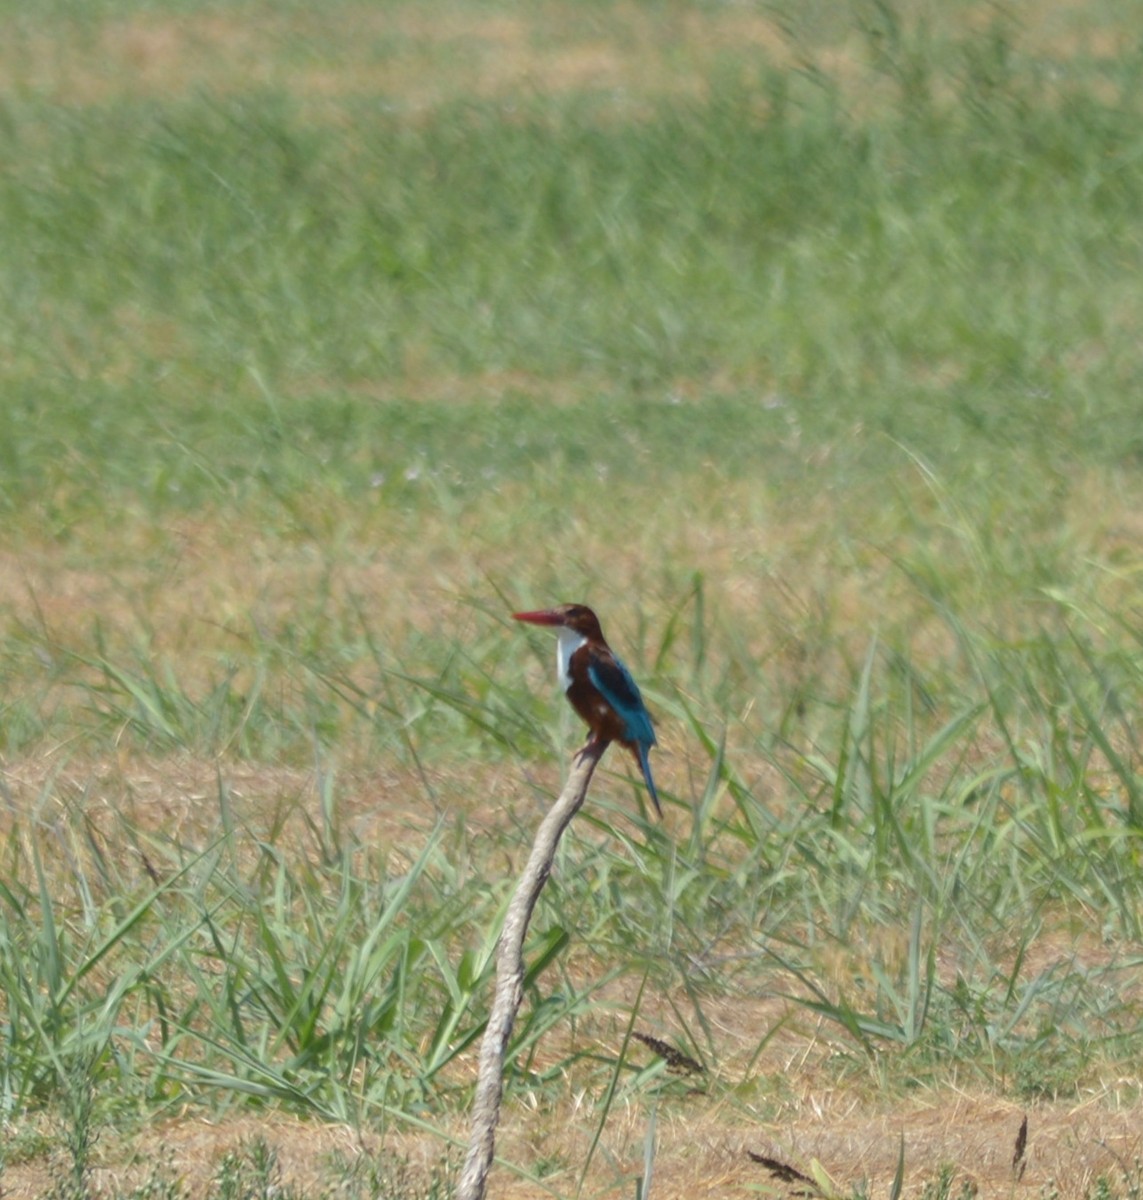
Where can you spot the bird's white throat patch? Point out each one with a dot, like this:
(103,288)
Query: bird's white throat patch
(569,643)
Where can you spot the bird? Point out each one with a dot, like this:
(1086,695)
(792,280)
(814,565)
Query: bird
(598,686)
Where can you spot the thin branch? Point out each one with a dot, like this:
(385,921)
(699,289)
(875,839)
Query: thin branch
(510,974)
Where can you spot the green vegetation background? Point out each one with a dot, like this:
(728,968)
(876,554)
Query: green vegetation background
(818,370)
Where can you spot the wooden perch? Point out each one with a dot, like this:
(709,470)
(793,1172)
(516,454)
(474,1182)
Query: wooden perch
(510,974)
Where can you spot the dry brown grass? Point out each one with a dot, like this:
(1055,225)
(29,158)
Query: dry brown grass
(199,584)
(423,55)
(703,1150)
(418,55)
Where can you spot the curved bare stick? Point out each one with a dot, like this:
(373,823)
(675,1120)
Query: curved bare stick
(510,974)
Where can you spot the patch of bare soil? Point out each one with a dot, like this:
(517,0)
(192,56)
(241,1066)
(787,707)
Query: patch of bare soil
(178,800)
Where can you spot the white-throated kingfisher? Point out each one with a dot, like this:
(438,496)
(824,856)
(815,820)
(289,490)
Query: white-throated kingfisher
(598,686)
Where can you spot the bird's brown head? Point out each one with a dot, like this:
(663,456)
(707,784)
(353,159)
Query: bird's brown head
(574,616)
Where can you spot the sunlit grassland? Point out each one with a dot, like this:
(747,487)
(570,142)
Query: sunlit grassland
(805,348)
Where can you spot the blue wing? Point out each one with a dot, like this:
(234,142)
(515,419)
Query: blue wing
(615,685)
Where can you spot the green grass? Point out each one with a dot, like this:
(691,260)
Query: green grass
(956,277)
(821,385)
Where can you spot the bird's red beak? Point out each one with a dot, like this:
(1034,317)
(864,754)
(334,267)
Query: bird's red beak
(544,616)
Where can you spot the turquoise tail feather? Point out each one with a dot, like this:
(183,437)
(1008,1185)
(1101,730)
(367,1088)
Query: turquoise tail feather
(645,767)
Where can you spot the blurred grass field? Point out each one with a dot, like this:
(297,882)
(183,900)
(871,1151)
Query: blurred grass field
(802,341)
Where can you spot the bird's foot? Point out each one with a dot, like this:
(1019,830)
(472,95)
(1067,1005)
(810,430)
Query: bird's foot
(594,745)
